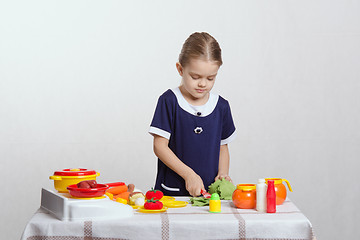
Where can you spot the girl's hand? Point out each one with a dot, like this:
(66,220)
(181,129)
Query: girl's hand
(222,176)
(223,164)
(194,184)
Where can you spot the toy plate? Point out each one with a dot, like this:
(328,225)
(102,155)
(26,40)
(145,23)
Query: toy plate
(167,198)
(175,204)
(143,210)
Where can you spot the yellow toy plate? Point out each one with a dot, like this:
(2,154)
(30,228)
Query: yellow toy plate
(175,204)
(143,210)
(167,198)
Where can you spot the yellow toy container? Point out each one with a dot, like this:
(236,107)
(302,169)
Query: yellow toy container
(215,203)
(70,176)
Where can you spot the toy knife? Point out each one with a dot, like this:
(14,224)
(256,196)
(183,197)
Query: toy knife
(205,194)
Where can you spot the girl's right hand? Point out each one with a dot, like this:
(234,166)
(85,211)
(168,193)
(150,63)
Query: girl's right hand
(194,184)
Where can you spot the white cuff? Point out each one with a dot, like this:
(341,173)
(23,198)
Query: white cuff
(160,132)
(229,139)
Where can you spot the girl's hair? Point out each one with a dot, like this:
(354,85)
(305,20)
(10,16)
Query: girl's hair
(200,46)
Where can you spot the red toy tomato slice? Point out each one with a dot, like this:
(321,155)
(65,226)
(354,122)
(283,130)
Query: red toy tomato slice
(154,194)
(153,204)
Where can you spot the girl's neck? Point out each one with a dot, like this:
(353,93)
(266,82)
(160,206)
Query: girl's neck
(192,100)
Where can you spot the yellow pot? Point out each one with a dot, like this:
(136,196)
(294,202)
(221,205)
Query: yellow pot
(70,176)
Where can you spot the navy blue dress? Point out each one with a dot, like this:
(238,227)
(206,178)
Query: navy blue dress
(195,134)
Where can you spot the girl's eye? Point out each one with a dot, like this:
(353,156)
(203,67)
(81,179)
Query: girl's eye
(210,79)
(195,77)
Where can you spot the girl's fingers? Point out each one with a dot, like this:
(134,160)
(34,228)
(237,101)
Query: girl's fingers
(229,179)
(221,177)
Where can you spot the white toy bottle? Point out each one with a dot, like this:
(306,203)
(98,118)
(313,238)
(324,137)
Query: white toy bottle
(261,188)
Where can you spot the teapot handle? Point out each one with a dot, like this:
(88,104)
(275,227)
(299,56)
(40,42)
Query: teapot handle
(288,184)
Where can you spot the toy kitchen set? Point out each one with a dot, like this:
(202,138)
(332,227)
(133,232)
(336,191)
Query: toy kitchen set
(73,202)
(84,208)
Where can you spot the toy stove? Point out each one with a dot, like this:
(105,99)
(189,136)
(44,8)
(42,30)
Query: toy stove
(67,208)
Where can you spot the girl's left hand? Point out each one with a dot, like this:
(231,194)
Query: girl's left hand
(222,176)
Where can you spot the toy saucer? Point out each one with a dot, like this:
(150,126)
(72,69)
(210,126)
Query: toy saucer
(143,210)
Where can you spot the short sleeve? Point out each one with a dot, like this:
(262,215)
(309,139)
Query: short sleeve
(228,127)
(162,121)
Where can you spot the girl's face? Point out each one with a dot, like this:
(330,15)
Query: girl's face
(198,78)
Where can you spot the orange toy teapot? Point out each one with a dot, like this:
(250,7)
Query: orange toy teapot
(280,189)
(245,196)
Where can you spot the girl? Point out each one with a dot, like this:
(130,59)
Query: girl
(192,126)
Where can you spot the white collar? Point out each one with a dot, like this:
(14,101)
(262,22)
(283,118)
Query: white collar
(205,109)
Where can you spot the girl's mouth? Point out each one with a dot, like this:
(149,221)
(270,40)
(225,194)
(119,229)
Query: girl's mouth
(200,90)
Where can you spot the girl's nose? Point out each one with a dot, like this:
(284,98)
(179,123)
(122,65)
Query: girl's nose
(202,82)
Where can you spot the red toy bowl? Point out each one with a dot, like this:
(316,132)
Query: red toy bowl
(98,191)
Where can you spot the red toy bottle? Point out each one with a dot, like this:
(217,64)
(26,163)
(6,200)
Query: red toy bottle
(271,197)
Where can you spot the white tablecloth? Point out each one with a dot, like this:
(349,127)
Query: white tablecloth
(178,223)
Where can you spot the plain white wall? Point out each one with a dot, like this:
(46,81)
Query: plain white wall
(79,81)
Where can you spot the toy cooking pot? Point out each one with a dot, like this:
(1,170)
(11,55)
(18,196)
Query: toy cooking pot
(280,189)
(98,191)
(244,196)
(70,176)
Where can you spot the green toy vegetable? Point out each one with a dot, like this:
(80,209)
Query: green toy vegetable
(199,201)
(222,187)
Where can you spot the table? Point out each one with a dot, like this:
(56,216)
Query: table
(179,223)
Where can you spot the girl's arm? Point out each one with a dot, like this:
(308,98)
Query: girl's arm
(193,182)
(224,160)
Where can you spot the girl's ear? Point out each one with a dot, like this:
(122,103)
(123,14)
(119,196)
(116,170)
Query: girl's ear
(179,68)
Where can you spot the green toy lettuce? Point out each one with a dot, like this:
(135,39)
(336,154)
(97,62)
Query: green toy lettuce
(222,187)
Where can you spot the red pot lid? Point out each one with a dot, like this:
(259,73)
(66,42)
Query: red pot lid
(75,172)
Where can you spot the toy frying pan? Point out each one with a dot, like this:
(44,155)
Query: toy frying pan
(98,191)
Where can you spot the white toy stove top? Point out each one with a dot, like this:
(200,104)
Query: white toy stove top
(65,208)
